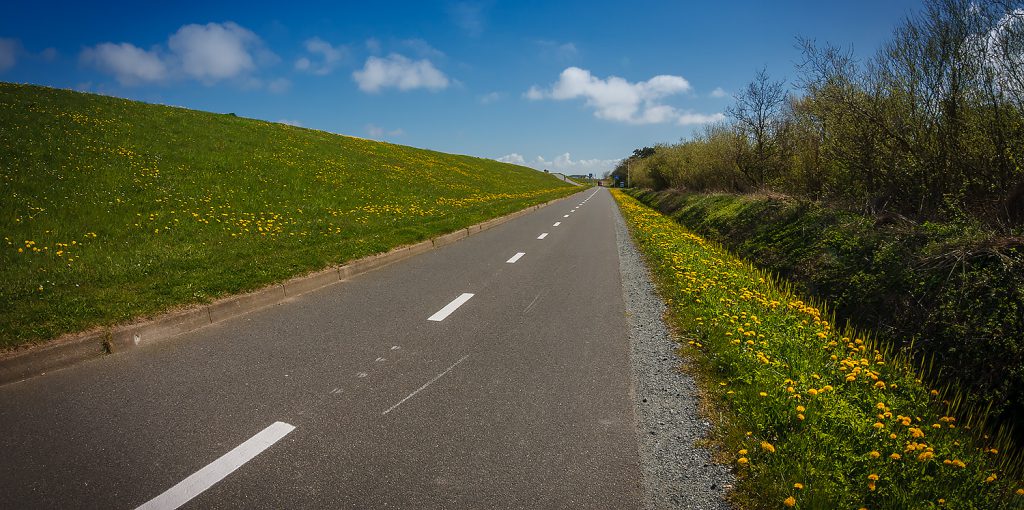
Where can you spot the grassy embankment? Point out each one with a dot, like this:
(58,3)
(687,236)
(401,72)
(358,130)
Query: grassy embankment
(815,416)
(114,209)
(949,293)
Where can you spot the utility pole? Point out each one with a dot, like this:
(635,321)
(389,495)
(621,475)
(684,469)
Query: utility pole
(627,173)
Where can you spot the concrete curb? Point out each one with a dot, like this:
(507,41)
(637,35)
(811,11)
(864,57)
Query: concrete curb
(74,348)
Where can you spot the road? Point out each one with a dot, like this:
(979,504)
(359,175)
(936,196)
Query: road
(490,373)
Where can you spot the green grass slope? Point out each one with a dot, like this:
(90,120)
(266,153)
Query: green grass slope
(113,209)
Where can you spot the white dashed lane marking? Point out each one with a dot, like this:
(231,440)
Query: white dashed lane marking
(450,307)
(542,236)
(514,258)
(217,470)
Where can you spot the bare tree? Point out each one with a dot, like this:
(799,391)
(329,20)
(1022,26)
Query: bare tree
(757,116)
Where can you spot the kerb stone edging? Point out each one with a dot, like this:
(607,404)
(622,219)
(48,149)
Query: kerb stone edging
(74,348)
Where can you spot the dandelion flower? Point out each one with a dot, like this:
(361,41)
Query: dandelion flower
(765,445)
(799,486)
(743,461)
(874,454)
(790,501)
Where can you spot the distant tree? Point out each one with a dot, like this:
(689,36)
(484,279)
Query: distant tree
(758,119)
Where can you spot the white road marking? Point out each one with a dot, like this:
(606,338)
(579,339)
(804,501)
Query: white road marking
(421,388)
(557,223)
(566,216)
(514,258)
(450,307)
(362,375)
(380,359)
(395,347)
(542,236)
(218,469)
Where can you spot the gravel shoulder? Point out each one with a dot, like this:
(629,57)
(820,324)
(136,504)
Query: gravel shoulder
(676,472)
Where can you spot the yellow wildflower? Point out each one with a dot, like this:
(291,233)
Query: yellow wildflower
(790,501)
(765,445)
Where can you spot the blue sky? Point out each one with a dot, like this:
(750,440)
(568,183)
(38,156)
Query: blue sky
(569,86)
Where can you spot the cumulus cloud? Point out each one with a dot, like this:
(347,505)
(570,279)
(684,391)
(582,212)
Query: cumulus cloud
(563,163)
(397,71)
(615,98)
(9,49)
(619,100)
(325,57)
(718,93)
(214,51)
(208,53)
(128,63)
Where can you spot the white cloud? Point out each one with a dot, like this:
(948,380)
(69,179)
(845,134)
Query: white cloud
(290,122)
(9,49)
(718,93)
(328,57)
(128,63)
(208,53)
(469,17)
(490,97)
(214,51)
(563,164)
(399,72)
(619,100)
(615,98)
(690,118)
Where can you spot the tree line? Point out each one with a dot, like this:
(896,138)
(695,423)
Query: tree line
(931,127)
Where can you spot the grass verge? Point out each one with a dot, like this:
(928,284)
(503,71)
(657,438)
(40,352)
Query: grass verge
(816,416)
(114,209)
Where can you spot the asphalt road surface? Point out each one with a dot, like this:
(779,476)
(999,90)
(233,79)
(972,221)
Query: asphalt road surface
(490,373)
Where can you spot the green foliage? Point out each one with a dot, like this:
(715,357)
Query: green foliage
(931,128)
(114,209)
(815,416)
(950,295)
